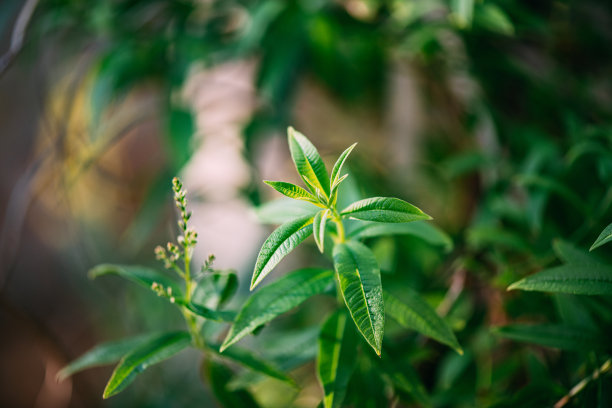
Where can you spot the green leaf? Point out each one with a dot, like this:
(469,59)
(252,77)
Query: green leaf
(249,360)
(308,162)
(137,274)
(153,352)
(577,279)
(336,360)
(420,229)
(319,228)
(413,312)
(604,237)
(462,12)
(405,378)
(207,313)
(219,376)
(335,174)
(181,128)
(359,277)
(282,241)
(292,191)
(284,210)
(553,186)
(105,353)
(384,209)
(571,254)
(555,336)
(277,298)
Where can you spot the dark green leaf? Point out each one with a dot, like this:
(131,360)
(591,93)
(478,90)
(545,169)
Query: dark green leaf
(249,360)
(153,352)
(404,377)
(336,360)
(137,274)
(570,254)
(105,353)
(420,229)
(308,163)
(282,241)
(414,313)
(359,277)
(207,313)
(277,298)
(604,237)
(555,336)
(218,377)
(577,279)
(384,209)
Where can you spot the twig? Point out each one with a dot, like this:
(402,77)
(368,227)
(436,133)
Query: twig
(18,33)
(582,384)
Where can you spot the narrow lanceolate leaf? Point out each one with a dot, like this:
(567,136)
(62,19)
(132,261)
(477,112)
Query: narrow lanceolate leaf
(308,162)
(414,313)
(292,191)
(336,359)
(420,229)
(577,279)
(384,209)
(105,353)
(404,377)
(137,274)
(604,237)
(280,243)
(335,174)
(569,253)
(249,360)
(210,314)
(319,228)
(277,298)
(359,277)
(218,376)
(556,336)
(153,352)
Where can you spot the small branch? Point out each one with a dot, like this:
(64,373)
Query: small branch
(21,24)
(582,384)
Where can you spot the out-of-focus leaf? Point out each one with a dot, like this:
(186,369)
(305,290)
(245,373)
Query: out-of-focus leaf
(414,313)
(555,336)
(420,229)
(308,163)
(249,360)
(105,353)
(404,377)
(359,277)
(181,129)
(493,18)
(207,313)
(604,237)
(384,209)
(336,360)
(571,254)
(282,241)
(577,279)
(463,11)
(153,352)
(284,210)
(218,377)
(277,298)
(553,186)
(138,274)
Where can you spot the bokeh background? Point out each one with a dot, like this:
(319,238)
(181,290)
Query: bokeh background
(493,116)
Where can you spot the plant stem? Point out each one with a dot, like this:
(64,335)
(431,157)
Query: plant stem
(605,367)
(339,225)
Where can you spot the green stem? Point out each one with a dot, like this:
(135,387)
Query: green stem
(339,226)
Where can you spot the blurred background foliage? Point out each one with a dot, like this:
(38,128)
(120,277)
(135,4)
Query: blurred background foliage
(494,116)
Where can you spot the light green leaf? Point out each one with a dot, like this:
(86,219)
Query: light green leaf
(577,279)
(413,312)
(308,162)
(249,360)
(153,352)
(494,18)
(336,359)
(462,12)
(207,313)
(137,274)
(359,277)
(105,353)
(277,298)
(319,228)
(384,209)
(604,237)
(292,191)
(420,229)
(335,174)
(282,241)
(555,336)
(284,210)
